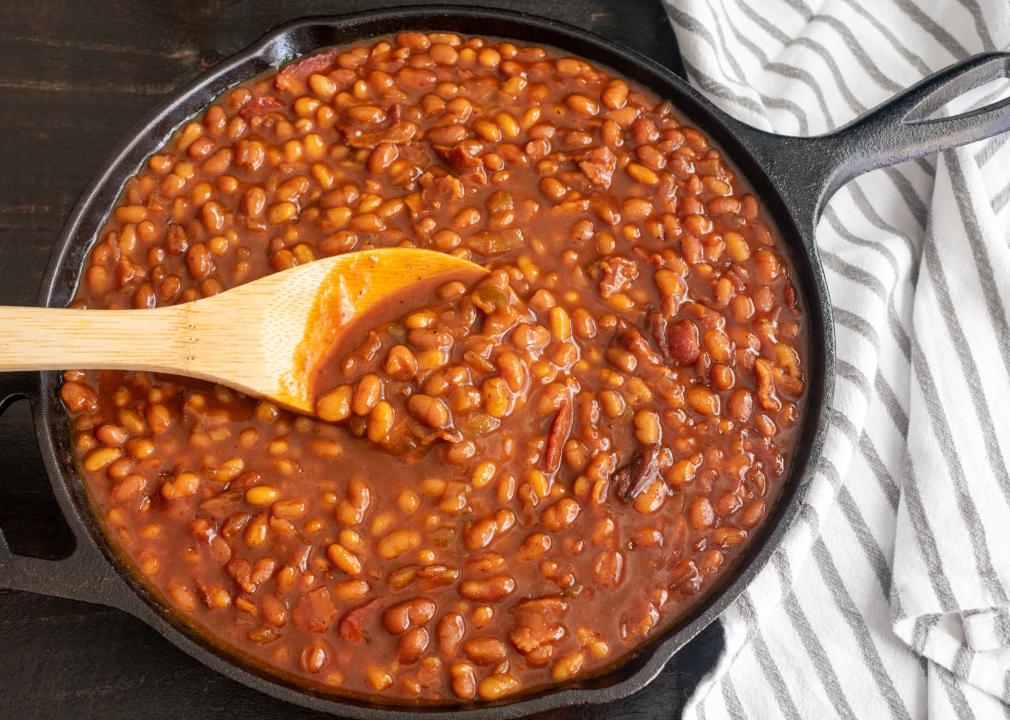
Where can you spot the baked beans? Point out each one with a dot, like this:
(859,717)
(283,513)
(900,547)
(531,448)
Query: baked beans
(512,484)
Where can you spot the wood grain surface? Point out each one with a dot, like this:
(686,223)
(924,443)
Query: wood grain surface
(75,76)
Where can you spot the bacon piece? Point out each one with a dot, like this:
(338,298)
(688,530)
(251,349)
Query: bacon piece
(640,347)
(441,188)
(258,105)
(241,572)
(539,628)
(315,611)
(789,295)
(618,273)
(658,330)
(561,428)
(449,435)
(640,617)
(397,134)
(634,477)
(599,166)
(222,505)
(292,77)
(352,624)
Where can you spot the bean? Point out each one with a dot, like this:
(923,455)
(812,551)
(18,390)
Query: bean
(684,343)
(120,468)
(366,394)
(412,645)
(508,124)
(429,410)
(485,650)
(281,212)
(130,213)
(741,404)
(498,685)
(447,135)
(182,596)
(615,95)
(78,397)
(736,246)
(582,105)
(702,400)
(535,546)
(487,130)
(642,174)
(408,501)
(727,536)
(513,371)
(483,475)
(112,435)
(261,495)
(609,568)
(489,57)
(702,514)
(382,157)
(327,449)
(496,398)
(183,485)
(612,403)
(256,532)
(367,114)
(480,533)
(443,54)
(129,487)
(647,427)
(159,418)
(403,615)
(683,472)
(101,458)
(380,421)
(722,377)
(344,559)
(567,666)
(289,509)
(560,324)
(560,515)
(398,542)
(464,682)
(752,513)
(350,589)
(489,589)
(651,498)
(335,405)
(378,678)
(450,632)
(460,452)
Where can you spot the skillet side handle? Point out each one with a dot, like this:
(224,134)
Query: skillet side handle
(810,170)
(83,575)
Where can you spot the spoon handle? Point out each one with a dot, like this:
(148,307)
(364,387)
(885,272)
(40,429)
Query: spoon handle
(56,339)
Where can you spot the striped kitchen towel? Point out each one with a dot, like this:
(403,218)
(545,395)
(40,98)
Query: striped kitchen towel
(889,597)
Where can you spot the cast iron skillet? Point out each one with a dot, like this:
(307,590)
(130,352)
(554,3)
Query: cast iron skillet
(794,177)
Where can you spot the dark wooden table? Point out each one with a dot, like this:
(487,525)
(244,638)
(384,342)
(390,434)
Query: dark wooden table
(75,76)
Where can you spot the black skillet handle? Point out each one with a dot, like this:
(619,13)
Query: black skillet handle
(810,170)
(85,574)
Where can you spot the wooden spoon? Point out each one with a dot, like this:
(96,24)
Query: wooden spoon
(265,338)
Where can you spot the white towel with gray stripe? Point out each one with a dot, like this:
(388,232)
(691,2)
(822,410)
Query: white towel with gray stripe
(889,597)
